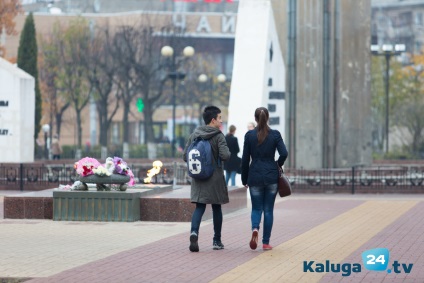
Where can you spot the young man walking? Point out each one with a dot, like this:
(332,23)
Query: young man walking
(214,189)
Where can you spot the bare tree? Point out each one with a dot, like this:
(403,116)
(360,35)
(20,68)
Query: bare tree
(53,101)
(9,9)
(141,72)
(72,74)
(101,67)
(202,93)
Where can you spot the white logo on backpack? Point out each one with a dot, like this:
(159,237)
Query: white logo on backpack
(200,160)
(194,164)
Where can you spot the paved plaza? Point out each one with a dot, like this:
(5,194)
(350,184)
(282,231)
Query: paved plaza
(326,229)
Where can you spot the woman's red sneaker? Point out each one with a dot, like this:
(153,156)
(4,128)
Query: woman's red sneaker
(266,247)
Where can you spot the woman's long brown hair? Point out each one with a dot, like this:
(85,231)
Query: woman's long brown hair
(261,117)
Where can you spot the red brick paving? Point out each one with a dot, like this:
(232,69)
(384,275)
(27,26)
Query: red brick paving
(169,260)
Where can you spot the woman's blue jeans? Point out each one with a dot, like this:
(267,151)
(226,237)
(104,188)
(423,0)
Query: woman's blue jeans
(217,219)
(230,175)
(263,199)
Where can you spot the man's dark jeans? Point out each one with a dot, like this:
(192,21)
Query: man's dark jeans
(217,219)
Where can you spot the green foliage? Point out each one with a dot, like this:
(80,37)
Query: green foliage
(397,154)
(138,151)
(135,151)
(68,151)
(406,101)
(27,61)
(164,150)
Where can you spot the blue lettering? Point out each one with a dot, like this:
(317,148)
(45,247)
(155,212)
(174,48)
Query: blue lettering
(395,266)
(319,267)
(307,266)
(407,267)
(356,267)
(4,103)
(335,267)
(346,267)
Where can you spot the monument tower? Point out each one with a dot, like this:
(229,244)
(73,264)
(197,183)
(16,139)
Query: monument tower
(308,61)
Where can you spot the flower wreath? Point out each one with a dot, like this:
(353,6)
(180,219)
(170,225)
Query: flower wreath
(85,166)
(89,166)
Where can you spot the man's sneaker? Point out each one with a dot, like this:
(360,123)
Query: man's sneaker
(194,246)
(217,245)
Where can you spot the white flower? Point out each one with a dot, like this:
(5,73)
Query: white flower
(102,171)
(110,166)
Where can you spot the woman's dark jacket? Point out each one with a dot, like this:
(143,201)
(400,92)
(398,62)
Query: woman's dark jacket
(263,169)
(233,164)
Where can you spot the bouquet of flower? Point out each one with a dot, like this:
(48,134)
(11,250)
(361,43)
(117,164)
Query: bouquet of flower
(89,166)
(121,167)
(85,166)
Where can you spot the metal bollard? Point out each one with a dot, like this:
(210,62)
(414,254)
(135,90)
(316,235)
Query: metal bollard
(174,184)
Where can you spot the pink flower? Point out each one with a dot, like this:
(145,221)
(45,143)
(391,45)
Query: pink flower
(85,166)
(131,174)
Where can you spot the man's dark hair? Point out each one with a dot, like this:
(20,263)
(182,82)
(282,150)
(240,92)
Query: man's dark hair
(210,113)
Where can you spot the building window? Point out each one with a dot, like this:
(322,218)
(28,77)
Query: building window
(419,19)
(115,136)
(133,134)
(418,47)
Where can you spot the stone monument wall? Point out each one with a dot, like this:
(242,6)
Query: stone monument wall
(17,109)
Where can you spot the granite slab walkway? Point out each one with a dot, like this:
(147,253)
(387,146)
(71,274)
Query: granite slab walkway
(319,228)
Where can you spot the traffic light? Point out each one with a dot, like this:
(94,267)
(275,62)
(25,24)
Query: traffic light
(140,105)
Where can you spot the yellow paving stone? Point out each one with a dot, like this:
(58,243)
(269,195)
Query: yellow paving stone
(333,240)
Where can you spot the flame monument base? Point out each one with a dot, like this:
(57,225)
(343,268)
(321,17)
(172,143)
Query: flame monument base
(148,202)
(96,206)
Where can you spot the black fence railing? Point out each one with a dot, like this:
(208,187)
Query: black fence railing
(34,177)
(357,179)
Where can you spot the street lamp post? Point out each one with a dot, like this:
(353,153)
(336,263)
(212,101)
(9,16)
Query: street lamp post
(203,79)
(174,75)
(46,129)
(388,51)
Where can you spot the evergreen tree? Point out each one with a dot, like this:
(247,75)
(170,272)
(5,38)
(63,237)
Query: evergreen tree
(27,61)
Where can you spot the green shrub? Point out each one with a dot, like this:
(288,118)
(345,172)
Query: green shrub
(138,151)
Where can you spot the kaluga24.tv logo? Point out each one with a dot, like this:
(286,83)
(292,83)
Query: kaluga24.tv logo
(374,260)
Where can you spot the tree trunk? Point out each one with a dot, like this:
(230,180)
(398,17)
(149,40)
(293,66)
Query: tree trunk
(148,124)
(125,120)
(79,126)
(59,115)
(102,113)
